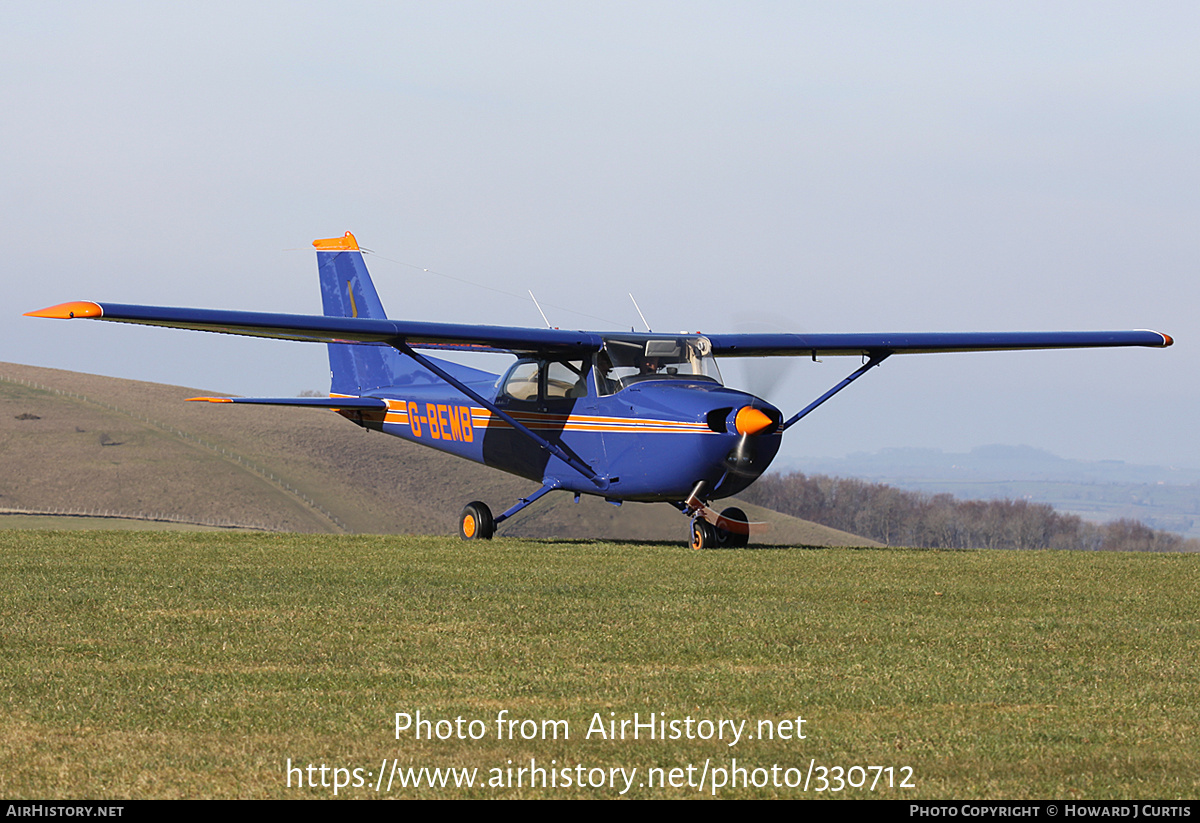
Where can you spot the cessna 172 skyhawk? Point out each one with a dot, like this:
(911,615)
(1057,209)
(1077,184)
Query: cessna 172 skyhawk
(625,416)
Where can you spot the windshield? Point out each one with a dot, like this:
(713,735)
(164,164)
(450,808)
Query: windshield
(625,361)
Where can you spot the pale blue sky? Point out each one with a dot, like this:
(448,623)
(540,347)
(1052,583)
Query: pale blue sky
(807,166)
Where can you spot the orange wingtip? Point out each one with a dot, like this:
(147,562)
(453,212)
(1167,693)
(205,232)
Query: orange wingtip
(68,311)
(344,243)
(1167,341)
(210,399)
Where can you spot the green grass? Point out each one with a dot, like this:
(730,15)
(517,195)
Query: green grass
(138,664)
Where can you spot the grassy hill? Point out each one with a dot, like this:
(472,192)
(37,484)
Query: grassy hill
(74,443)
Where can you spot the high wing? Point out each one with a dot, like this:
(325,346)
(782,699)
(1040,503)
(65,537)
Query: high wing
(875,348)
(322,329)
(462,336)
(868,345)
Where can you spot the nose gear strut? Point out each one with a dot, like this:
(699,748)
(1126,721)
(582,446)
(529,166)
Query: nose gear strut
(730,529)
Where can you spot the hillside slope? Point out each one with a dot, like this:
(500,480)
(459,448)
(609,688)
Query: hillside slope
(83,443)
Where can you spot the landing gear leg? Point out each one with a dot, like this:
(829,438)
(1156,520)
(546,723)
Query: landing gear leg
(728,530)
(476,521)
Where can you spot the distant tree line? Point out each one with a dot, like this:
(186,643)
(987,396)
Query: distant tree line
(939,521)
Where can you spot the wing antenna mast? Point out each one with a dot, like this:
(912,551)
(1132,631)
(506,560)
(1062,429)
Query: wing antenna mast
(539,308)
(639,311)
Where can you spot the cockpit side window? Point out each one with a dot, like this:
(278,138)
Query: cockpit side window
(565,380)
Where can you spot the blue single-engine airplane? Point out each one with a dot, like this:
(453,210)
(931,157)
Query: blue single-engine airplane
(626,416)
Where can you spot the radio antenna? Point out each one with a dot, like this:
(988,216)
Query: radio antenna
(539,308)
(639,311)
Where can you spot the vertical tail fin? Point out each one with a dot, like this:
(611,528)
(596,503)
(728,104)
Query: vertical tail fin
(357,368)
(347,291)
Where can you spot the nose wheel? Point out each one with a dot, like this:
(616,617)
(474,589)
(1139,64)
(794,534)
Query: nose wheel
(704,535)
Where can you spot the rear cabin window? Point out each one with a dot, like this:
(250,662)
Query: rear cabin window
(521,382)
(547,380)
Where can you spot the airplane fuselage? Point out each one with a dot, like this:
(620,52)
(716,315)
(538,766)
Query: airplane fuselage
(653,440)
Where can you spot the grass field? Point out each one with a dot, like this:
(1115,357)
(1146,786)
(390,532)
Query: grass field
(142,664)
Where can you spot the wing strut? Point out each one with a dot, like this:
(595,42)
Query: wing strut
(875,360)
(556,450)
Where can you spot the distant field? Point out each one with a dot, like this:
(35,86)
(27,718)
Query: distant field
(151,664)
(56,521)
(1173,508)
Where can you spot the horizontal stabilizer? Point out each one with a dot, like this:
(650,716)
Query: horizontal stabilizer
(364,403)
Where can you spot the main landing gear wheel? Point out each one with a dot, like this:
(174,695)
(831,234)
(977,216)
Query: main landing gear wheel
(704,535)
(476,523)
(733,540)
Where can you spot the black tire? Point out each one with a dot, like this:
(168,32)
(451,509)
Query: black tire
(733,540)
(476,523)
(704,535)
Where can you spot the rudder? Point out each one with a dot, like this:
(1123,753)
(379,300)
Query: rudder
(347,291)
(358,368)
